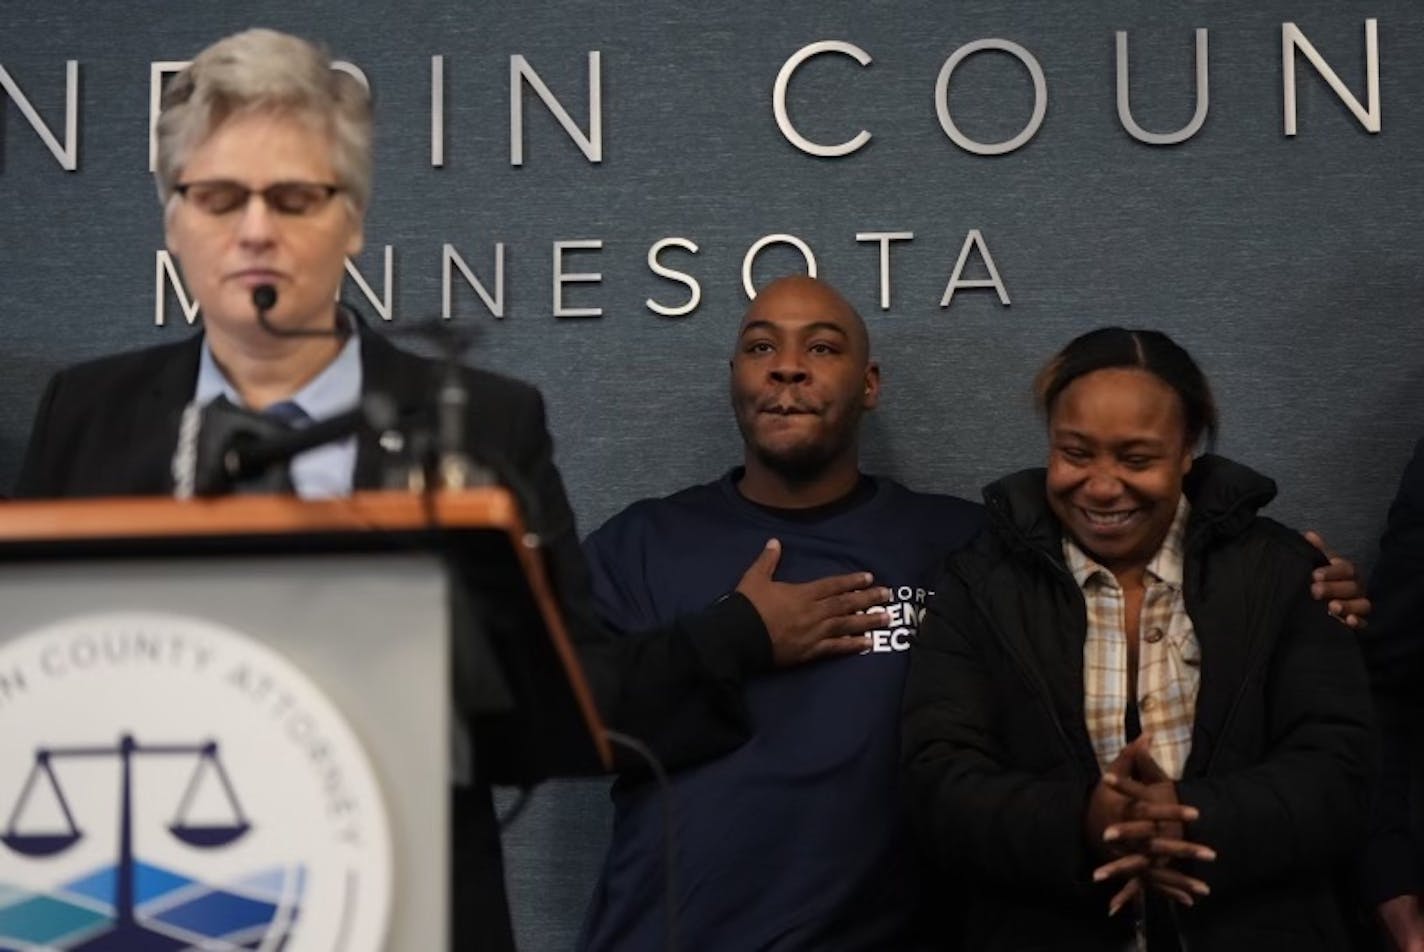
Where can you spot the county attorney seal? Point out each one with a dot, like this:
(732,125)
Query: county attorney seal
(168,783)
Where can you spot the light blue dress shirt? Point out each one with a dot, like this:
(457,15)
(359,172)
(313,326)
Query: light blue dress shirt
(325,471)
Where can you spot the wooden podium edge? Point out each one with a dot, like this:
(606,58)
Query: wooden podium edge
(253,517)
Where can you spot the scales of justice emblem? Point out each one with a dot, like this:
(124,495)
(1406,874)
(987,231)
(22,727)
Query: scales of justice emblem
(126,933)
(250,821)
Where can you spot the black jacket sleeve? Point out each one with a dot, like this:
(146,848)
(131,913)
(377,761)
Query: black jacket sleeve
(678,688)
(1304,804)
(1394,653)
(38,471)
(971,809)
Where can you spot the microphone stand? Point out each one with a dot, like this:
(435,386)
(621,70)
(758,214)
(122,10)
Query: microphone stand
(454,465)
(450,462)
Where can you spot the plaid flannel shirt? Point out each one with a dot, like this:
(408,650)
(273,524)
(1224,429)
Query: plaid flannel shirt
(1168,658)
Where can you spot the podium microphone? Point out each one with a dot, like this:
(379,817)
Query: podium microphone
(264,298)
(247,454)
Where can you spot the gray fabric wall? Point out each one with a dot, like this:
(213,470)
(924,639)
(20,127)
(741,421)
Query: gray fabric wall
(1287,265)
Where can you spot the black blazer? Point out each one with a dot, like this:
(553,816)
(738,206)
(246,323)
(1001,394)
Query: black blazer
(109,427)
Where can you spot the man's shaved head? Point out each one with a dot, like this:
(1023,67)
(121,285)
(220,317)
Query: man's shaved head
(800,295)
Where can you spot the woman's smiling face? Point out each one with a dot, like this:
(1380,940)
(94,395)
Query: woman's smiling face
(1118,452)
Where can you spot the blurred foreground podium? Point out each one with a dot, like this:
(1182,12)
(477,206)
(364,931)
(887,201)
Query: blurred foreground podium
(234,723)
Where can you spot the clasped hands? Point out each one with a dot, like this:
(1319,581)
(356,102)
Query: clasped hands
(1136,825)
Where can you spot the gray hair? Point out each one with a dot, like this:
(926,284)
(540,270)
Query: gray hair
(257,71)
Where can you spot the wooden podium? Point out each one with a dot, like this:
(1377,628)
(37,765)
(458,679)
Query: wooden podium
(428,623)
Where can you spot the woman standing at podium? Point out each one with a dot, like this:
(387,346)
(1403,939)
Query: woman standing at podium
(264,174)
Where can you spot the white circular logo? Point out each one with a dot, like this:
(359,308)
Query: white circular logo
(167,783)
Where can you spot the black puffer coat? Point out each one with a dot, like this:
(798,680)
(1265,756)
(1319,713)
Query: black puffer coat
(999,766)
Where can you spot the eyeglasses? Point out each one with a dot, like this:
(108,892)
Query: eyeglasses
(224,196)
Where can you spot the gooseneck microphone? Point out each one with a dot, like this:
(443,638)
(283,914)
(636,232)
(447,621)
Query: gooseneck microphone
(264,298)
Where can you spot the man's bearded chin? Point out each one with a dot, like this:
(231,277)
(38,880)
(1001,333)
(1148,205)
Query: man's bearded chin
(800,464)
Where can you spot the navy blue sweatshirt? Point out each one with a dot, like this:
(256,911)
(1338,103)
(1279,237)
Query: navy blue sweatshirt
(795,840)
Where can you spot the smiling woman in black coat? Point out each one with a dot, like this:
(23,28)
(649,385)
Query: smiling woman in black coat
(1036,791)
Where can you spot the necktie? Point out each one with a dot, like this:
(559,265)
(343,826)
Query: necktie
(278,478)
(288,413)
